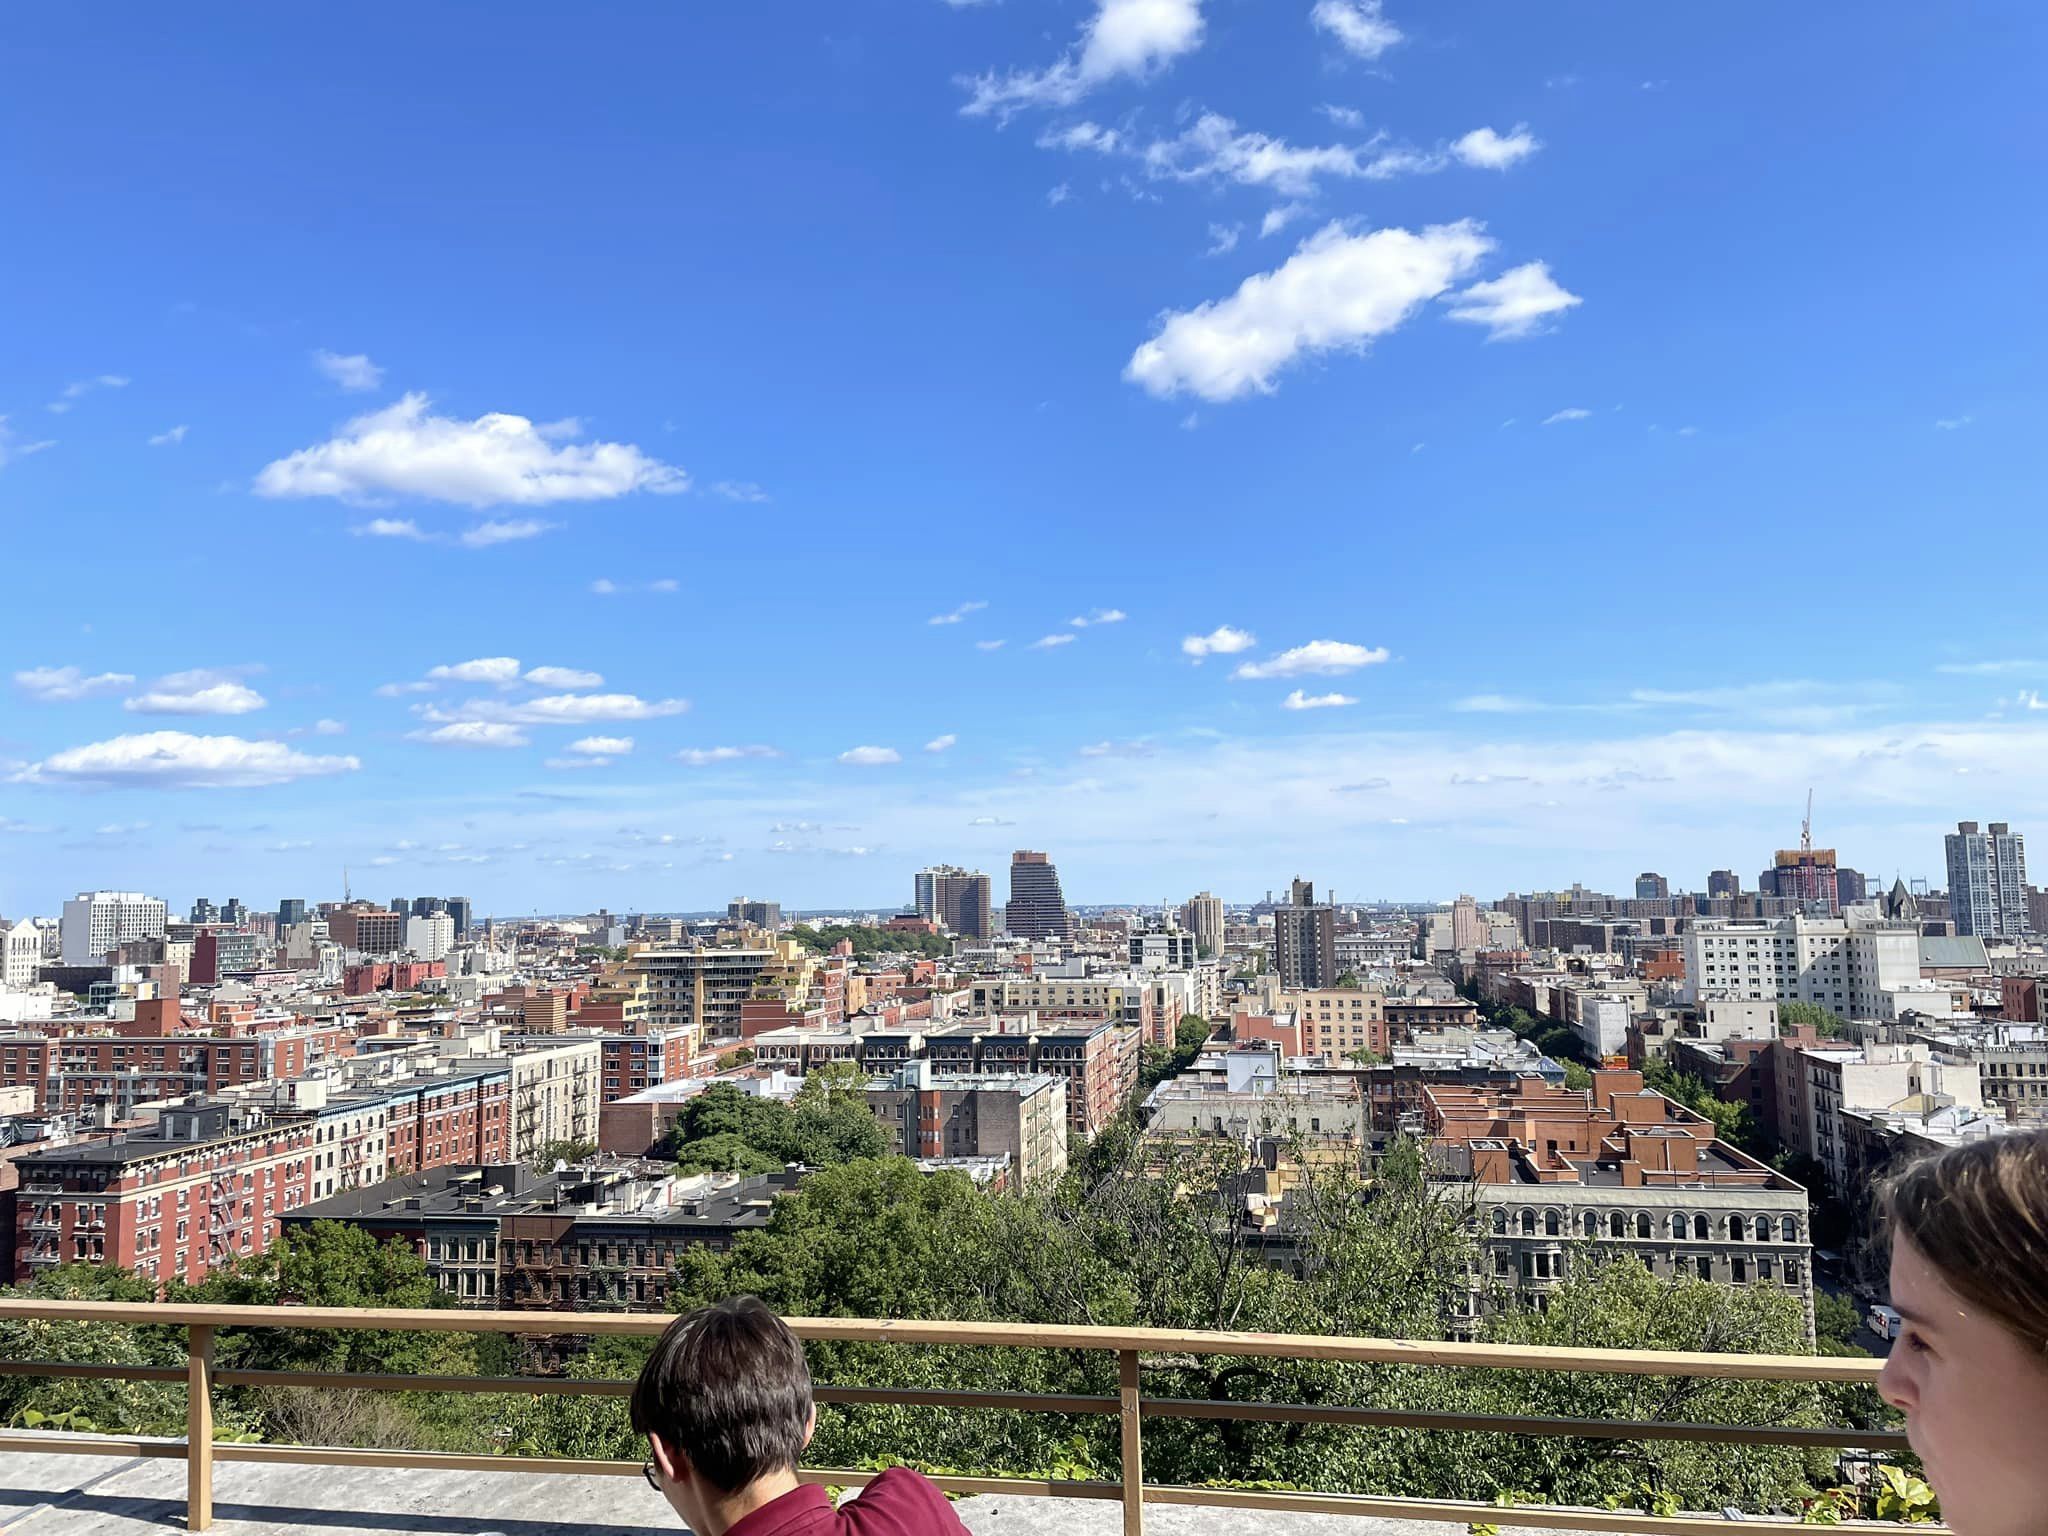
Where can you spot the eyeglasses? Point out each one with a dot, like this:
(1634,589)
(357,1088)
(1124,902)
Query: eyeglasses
(653,1478)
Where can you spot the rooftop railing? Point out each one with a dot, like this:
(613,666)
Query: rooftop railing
(1131,1405)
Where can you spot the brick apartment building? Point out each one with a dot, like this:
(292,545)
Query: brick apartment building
(1098,1060)
(121,1064)
(1022,1115)
(591,1238)
(1623,1168)
(201,1189)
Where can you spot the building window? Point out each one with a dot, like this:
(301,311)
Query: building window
(1700,1229)
(1706,1267)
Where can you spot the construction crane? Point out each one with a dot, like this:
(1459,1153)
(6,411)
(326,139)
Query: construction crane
(1806,829)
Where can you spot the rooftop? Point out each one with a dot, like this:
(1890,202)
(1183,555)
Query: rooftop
(49,1494)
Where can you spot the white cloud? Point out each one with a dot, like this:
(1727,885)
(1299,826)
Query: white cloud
(1952,668)
(473,733)
(562,709)
(1223,239)
(195,693)
(563,677)
(1513,305)
(169,437)
(944,743)
(504,531)
(1569,413)
(400,690)
(1357,24)
(501,670)
(1300,700)
(954,616)
(700,757)
(1220,641)
(568,763)
(1338,291)
(1495,704)
(1083,135)
(989,645)
(1343,117)
(739,490)
(392,528)
(1486,150)
(1099,616)
(1124,37)
(1327,658)
(871,757)
(1951,423)
(1047,642)
(604,586)
(64,685)
(329,728)
(1279,218)
(1117,749)
(354,372)
(602,746)
(10,448)
(73,393)
(494,460)
(1059,194)
(175,760)
(1214,149)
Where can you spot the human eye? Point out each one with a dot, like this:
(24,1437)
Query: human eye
(1915,1342)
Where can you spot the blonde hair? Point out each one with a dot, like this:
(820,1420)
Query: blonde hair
(1979,1215)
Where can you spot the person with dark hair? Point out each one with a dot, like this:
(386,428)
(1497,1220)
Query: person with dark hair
(725,1404)
(1969,1369)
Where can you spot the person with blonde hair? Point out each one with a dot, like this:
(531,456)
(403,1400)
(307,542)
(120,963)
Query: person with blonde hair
(1969,1368)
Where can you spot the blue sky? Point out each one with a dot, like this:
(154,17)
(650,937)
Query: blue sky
(1609,421)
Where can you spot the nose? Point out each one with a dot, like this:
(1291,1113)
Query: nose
(1894,1382)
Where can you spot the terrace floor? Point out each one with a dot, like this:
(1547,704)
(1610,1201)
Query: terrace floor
(69,1495)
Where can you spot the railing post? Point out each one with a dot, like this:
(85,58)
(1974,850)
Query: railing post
(1133,1444)
(199,1427)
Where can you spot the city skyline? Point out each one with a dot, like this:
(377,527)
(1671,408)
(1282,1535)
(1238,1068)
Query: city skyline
(726,455)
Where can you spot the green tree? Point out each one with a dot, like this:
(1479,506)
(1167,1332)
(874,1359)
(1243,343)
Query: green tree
(1577,1076)
(1836,1320)
(1829,1026)
(139,1407)
(570,1150)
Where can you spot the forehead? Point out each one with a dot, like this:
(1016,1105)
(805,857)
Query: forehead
(1917,1285)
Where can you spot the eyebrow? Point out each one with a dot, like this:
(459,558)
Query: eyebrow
(1917,1319)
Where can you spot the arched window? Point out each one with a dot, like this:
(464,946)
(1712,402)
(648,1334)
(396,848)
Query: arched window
(1763,1229)
(1699,1228)
(1617,1225)
(1592,1224)
(1678,1224)
(1642,1223)
(1500,1221)
(1528,1222)
(1735,1229)
(1789,1230)
(1551,1225)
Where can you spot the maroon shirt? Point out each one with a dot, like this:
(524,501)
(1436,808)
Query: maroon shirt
(900,1502)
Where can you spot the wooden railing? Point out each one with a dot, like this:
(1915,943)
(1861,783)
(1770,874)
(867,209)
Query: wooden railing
(1130,1346)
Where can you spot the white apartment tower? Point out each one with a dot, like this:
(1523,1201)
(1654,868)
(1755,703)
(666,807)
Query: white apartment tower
(1987,880)
(97,921)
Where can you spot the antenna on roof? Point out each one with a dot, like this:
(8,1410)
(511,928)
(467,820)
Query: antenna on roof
(1806,826)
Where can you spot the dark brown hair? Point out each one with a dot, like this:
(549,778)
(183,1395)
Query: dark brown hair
(1979,1215)
(727,1387)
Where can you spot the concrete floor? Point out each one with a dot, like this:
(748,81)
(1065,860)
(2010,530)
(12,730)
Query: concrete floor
(59,1495)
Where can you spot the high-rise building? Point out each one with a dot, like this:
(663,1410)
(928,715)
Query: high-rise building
(97,921)
(756,914)
(1305,941)
(203,911)
(957,899)
(1203,917)
(1987,880)
(1651,886)
(458,908)
(1468,928)
(1724,882)
(233,913)
(1037,907)
(1804,875)
(1850,886)
(289,911)
(431,935)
